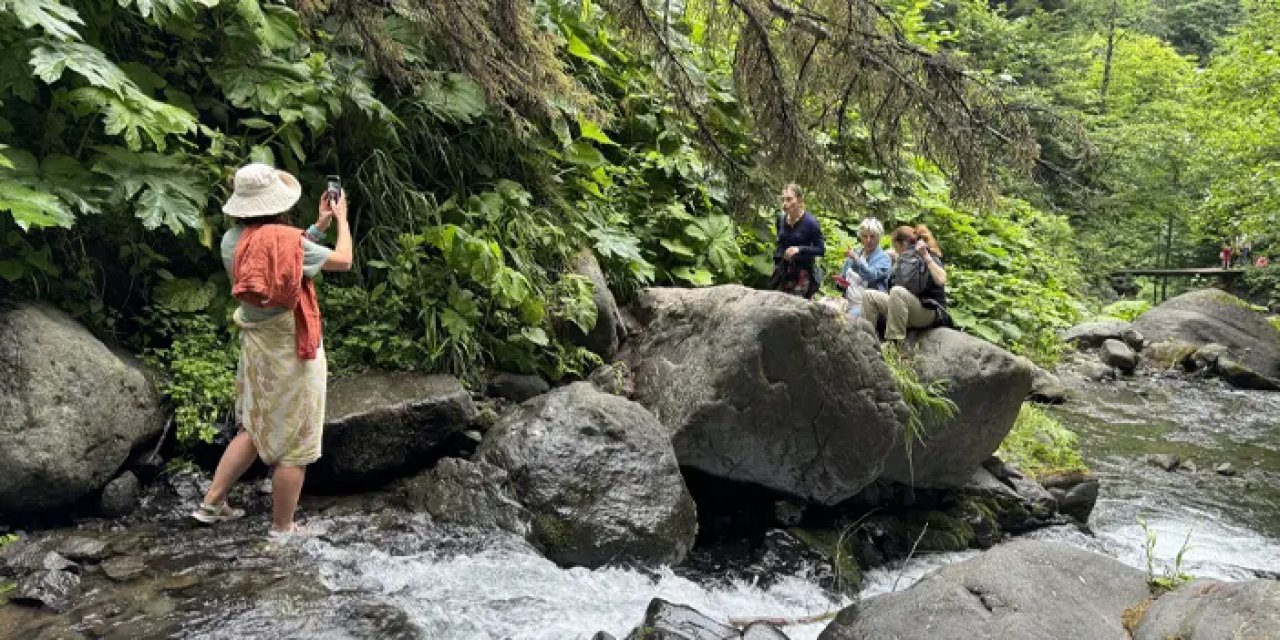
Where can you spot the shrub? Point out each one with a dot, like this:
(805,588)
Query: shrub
(1039,445)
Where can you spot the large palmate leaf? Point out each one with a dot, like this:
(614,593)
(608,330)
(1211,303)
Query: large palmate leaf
(452,97)
(129,112)
(55,18)
(162,10)
(167,191)
(136,115)
(56,174)
(276,27)
(32,208)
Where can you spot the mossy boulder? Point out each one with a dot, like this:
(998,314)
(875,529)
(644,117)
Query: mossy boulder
(1212,316)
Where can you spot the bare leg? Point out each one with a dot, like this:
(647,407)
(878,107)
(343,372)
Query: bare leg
(237,459)
(286,487)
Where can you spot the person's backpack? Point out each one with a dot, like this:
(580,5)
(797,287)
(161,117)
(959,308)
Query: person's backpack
(911,273)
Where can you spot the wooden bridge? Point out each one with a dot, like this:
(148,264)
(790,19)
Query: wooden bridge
(1122,279)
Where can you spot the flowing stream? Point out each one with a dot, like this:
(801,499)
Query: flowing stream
(380,575)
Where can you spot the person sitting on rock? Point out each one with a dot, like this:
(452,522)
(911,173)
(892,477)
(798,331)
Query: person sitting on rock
(917,298)
(869,262)
(799,245)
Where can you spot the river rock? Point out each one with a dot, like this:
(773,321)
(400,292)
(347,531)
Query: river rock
(33,556)
(1098,372)
(1076,493)
(1171,354)
(1134,338)
(1212,610)
(1212,316)
(765,388)
(1091,335)
(124,568)
(470,493)
(1239,375)
(517,387)
(71,409)
(1117,354)
(1225,469)
(1166,461)
(82,549)
(120,496)
(381,425)
(1046,388)
(55,590)
(1026,589)
(987,384)
(603,339)
(668,621)
(762,631)
(611,378)
(599,475)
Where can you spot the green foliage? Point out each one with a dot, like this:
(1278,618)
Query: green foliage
(1039,445)
(1171,577)
(1263,284)
(1126,310)
(7,539)
(926,401)
(199,363)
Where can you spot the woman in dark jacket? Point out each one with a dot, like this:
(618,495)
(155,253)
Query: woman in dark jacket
(799,246)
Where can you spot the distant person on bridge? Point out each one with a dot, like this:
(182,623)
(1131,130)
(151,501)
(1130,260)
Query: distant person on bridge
(1245,246)
(1226,255)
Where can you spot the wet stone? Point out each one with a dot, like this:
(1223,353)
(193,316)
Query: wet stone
(55,590)
(180,582)
(1166,461)
(1225,469)
(124,568)
(82,549)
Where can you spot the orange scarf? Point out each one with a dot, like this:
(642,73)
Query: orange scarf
(267,272)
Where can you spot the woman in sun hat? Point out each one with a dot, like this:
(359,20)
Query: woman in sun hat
(281,378)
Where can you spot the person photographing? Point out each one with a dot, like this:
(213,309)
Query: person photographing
(281,379)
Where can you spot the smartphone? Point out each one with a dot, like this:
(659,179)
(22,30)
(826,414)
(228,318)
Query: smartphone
(334,190)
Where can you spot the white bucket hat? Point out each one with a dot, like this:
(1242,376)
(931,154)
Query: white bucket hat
(262,190)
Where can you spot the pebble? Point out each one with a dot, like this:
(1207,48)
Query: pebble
(1225,469)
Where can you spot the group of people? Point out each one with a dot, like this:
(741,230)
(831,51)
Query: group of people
(281,377)
(1238,250)
(895,289)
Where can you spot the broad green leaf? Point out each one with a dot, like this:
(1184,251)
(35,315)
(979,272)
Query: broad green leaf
(52,16)
(592,131)
(170,207)
(583,153)
(578,48)
(535,335)
(276,27)
(695,277)
(167,192)
(31,208)
(675,246)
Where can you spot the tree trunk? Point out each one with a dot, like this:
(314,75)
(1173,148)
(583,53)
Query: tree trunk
(1111,47)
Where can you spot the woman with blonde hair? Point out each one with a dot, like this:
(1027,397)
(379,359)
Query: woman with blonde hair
(917,298)
(281,380)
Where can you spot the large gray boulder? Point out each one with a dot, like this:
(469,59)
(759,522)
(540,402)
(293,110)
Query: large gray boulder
(1212,316)
(1212,610)
(766,388)
(986,383)
(607,334)
(1023,590)
(1091,335)
(1118,354)
(599,475)
(71,409)
(381,425)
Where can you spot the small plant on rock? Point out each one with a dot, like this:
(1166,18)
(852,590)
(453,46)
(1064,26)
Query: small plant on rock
(924,399)
(1171,577)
